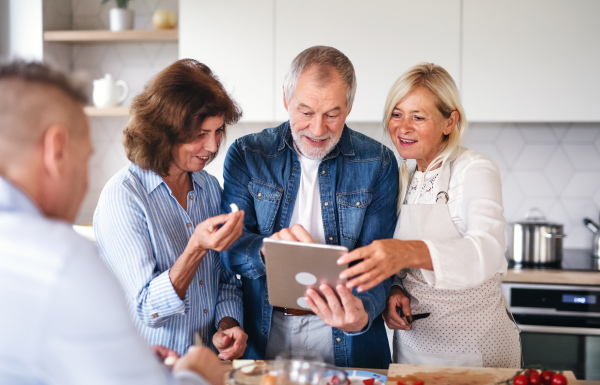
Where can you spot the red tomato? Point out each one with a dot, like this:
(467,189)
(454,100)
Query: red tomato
(335,380)
(369,381)
(521,379)
(400,383)
(419,382)
(547,377)
(534,377)
(559,379)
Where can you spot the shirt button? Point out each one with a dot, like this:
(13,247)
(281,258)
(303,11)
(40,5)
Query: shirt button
(338,339)
(323,172)
(326,203)
(295,168)
(204,340)
(259,194)
(289,199)
(358,203)
(155,315)
(264,331)
(205,311)
(188,224)
(200,282)
(331,238)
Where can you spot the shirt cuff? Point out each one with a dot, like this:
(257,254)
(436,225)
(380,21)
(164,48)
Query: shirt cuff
(437,275)
(370,310)
(163,298)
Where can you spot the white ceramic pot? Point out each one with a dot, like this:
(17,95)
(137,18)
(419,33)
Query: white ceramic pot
(121,19)
(108,93)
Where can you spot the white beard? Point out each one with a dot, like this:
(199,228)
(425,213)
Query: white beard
(312,152)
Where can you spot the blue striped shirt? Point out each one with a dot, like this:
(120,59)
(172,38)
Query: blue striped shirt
(141,230)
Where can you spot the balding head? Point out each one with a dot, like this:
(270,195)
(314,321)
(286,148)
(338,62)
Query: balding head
(32,98)
(44,137)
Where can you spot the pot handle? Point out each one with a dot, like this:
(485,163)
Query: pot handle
(531,214)
(550,235)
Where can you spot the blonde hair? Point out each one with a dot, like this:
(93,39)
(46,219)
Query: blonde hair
(437,80)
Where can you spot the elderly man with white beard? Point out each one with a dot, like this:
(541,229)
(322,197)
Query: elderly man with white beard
(312,179)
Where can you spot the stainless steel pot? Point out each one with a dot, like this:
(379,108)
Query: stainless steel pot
(535,240)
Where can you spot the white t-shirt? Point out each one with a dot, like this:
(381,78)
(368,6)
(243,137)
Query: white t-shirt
(307,209)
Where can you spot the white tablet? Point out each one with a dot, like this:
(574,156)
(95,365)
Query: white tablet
(292,267)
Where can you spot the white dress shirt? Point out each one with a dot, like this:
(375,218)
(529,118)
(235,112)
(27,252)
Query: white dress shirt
(64,319)
(475,205)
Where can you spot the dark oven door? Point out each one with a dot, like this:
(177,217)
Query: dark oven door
(560,326)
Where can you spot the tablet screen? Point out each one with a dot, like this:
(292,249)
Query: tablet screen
(292,267)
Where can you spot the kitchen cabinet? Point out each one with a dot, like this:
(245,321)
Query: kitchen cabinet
(235,39)
(250,45)
(531,61)
(382,39)
(513,61)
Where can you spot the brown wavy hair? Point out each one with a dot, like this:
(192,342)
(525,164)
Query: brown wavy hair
(170,111)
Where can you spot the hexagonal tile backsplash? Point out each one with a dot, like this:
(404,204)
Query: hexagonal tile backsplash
(552,166)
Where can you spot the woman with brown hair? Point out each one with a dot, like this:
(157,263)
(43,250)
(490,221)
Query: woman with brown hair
(157,222)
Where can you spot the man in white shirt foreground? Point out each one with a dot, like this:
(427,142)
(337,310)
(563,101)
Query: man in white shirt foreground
(65,320)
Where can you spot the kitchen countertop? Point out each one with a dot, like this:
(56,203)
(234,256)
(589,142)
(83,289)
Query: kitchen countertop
(557,276)
(227,365)
(553,277)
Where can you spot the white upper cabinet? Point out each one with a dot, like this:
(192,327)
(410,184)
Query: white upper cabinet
(382,39)
(235,39)
(531,61)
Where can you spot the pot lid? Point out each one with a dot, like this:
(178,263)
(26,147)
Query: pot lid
(535,216)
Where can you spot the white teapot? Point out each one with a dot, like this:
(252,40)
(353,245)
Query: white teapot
(108,92)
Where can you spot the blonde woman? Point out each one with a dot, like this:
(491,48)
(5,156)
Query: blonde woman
(448,247)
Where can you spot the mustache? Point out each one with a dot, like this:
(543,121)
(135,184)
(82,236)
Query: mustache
(306,132)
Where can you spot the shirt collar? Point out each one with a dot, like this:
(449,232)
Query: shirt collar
(344,145)
(151,180)
(13,199)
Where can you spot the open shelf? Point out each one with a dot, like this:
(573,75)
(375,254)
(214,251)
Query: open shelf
(110,36)
(109,111)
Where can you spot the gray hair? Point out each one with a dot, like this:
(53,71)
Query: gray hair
(325,58)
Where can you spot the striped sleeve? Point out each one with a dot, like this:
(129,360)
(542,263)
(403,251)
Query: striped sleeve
(229,300)
(121,229)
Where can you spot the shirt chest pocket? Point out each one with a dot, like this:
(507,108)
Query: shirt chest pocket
(267,198)
(352,208)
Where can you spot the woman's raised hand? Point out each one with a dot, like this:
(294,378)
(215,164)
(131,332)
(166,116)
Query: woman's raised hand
(209,236)
(382,259)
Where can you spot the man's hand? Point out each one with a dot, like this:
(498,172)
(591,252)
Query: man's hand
(348,316)
(296,233)
(203,361)
(397,299)
(163,353)
(230,339)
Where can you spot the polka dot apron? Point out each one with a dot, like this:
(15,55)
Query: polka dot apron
(469,327)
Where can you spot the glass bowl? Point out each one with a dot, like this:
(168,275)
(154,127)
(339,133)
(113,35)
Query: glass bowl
(288,372)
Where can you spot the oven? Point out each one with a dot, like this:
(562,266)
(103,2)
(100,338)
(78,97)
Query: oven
(560,326)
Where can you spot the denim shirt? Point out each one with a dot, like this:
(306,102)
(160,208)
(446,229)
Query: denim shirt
(358,186)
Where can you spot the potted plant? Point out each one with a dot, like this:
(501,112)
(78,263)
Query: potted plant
(121,18)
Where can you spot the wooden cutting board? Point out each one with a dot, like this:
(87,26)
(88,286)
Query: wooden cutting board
(439,375)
